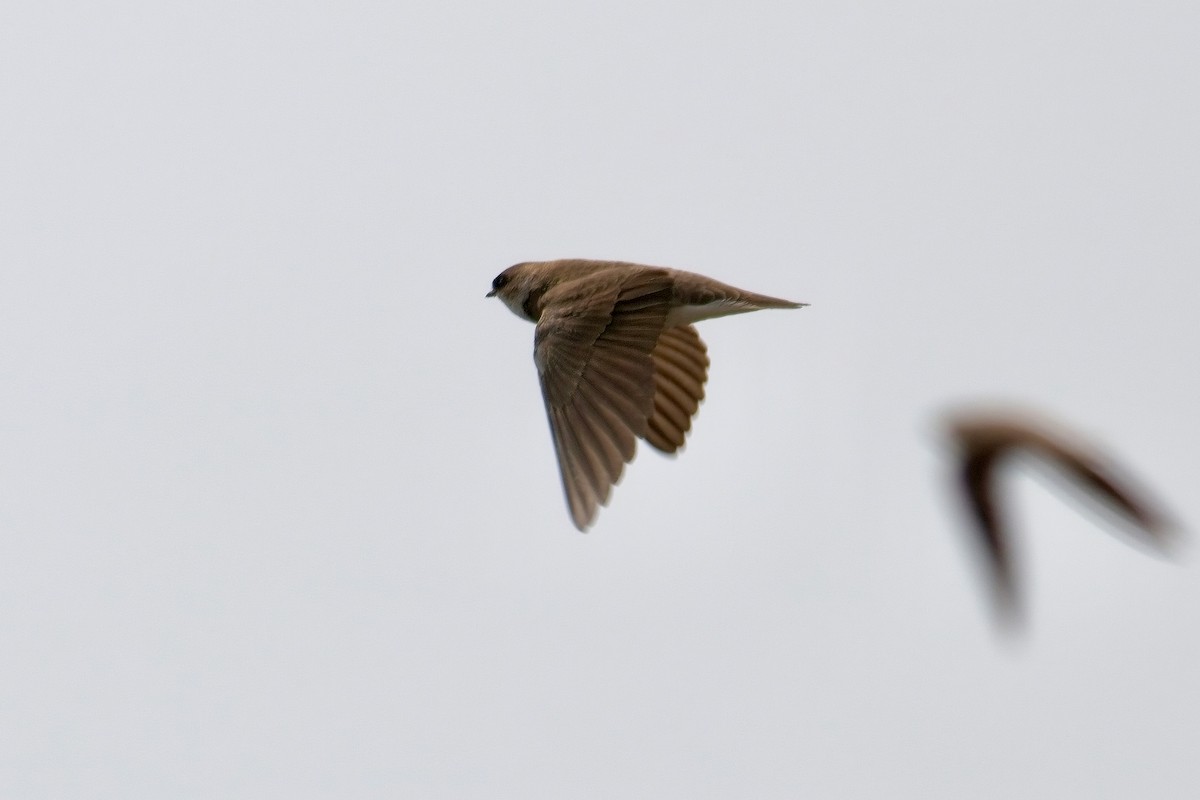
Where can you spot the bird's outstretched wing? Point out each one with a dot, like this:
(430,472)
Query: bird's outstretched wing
(593,348)
(680,370)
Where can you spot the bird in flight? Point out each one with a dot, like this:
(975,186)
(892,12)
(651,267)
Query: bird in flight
(618,359)
(987,439)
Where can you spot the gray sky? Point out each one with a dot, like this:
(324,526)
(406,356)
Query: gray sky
(280,510)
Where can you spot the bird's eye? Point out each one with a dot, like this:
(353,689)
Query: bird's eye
(501,279)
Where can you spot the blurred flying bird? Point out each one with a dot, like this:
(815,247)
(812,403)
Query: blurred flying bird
(618,358)
(986,439)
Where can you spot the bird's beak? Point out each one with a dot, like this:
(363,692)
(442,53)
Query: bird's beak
(492,293)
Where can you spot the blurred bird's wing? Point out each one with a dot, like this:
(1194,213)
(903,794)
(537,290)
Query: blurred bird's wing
(979,483)
(987,442)
(592,347)
(1089,472)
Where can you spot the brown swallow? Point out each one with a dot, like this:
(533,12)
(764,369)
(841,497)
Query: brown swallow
(987,439)
(618,358)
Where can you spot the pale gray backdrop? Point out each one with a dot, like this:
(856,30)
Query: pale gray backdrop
(280,514)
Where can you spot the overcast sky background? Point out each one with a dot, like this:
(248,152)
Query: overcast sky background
(280,512)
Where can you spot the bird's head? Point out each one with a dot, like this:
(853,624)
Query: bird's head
(521,286)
